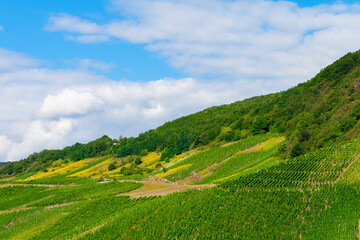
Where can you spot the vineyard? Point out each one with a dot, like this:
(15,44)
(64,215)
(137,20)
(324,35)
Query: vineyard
(324,166)
(259,196)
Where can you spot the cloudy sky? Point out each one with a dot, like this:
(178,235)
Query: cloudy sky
(72,71)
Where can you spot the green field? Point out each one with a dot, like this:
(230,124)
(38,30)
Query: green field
(317,191)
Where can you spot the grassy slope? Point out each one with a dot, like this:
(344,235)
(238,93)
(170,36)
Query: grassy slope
(179,167)
(255,159)
(329,208)
(204,159)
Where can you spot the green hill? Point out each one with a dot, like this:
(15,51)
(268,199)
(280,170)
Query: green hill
(314,114)
(280,166)
(313,196)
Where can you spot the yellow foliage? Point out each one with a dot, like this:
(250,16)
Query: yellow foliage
(205,171)
(70,167)
(113,173)
(150,158)
(184,155)
(351,175)
(180,157)
(268,144)
(128,165)
(171,171)
(94,170)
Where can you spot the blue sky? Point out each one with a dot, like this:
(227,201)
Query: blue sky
(76,70)
(24,22)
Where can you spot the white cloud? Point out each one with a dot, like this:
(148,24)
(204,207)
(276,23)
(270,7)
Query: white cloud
(13,60)
(5,145)
(1,28)
(72,24)
(261,46)
(48,108)
(91,64)
(241,39)
(89,38)
(69,103)
(50,134)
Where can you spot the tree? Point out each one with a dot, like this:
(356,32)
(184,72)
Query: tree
(260,126)
(112,166)
(297,150)
(167,154)
(138,160)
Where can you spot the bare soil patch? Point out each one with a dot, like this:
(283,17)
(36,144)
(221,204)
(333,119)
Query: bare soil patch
(161,188)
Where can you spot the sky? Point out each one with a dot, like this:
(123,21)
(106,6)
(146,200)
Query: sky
(73,71)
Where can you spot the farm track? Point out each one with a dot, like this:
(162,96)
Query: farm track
(161,188)
(36,185)
(24,207)
(198,176)
(346,169)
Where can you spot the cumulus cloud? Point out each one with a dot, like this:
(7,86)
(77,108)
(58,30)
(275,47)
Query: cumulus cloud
(252,39)
(5,145)
(51,134)
(48,108)
(261,46)
(69,103)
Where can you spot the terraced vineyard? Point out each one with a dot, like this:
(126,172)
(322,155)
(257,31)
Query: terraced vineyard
(314,196)
(204,159)
(324,166)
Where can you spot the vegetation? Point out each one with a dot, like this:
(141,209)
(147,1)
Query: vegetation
(280,166)
(312,115)
(312,197)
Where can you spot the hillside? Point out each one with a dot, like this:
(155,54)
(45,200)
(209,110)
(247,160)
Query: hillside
(313,196)
(314,114)
(280,166)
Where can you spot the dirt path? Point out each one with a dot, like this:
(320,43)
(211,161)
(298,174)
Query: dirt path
(36,185)
(198,176)
(347,168)
(160,187)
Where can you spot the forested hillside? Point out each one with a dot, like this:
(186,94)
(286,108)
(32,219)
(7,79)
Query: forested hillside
(314,114)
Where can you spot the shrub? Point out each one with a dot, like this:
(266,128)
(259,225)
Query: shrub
(112,167)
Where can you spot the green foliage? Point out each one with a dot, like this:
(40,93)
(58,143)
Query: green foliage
(314,169)
(112,166)
(313,195)
(132,170)
(167,154)
(297,150)
(138,160)
(243,164)
(298,198)
(260,126)
(44,159)
(210,156)
(316,114)
(308,113)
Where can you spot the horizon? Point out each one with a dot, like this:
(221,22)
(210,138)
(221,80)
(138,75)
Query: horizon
(75,71)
